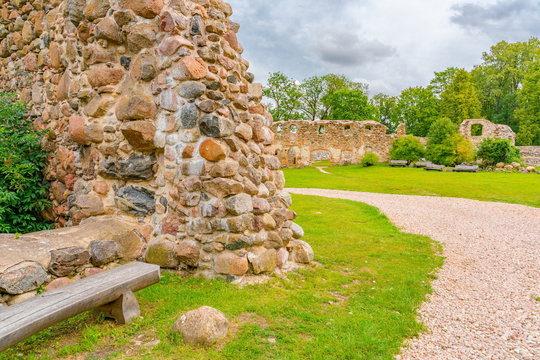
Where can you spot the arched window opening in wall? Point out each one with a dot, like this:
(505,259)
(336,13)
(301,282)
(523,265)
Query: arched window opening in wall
(321,129)
(293,129)
(280,129)
(347,127)
(477,130)
(369,127)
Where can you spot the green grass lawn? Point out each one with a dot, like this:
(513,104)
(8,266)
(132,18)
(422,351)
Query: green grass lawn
(359,303)
(505,187)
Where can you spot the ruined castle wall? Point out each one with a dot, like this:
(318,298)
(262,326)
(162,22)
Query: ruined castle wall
(487,129)
(152,113)
(300,143)
(531,155)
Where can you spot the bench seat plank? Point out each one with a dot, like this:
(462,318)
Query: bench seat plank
(29,317)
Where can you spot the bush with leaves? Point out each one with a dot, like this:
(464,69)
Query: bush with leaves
(407,148)
(492,151)
(369,159)
(23,191)
(446,146)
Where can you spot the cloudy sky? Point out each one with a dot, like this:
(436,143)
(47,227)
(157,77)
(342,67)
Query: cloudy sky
(389,44)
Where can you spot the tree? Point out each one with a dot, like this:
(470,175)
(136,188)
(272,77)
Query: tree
(313,91)
(460,99)
(446,146)
(417,108)
(500,77)
(441,80)
(528,113)
(407,148)
(385,108)
(285,94)
(348,105)
(493,151)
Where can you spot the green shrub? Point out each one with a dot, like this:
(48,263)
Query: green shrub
(493,151)
(446,146)
(369,159)
(407,148)
(23,192)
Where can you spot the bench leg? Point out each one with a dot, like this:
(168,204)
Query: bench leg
(123,310)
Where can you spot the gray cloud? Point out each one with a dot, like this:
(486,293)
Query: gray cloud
(348,49)
(390,44)
(507,19)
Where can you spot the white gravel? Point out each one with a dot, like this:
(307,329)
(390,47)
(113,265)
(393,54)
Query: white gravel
(483,305)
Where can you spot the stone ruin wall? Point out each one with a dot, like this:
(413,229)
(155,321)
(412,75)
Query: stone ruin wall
(152,114)
(488,130)
(531,155)
(299,143)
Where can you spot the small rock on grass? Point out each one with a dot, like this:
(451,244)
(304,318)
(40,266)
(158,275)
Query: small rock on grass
(202,326)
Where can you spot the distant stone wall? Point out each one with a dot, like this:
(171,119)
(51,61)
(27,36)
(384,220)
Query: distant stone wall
(531,155)
(300,143)
(152,113)
(486,129)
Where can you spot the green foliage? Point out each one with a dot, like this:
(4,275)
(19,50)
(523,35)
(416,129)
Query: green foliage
(285,95)
(459,101)
(493,151)
(348,105)
(369,159)
(441,80)
(446,146)
(385,110)
(23,192)
(407,148)
(417,108)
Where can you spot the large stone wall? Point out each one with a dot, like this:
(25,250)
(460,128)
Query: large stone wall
(300,143)
(486,129)
(531,155)
(152,113)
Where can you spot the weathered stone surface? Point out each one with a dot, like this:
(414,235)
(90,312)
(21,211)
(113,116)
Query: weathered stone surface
(203,326)
(102,76)
(264,261)
(134,167)
(231,264)
(67,261)
(145,8)
(195,67)
(297,230)
(239,204)
(103,252)
(221,187)
(96,9)
(22,278)
(188,252)
(90,205)
(136,200)
(58,283)
(109,30)
(224,169)
(300,252)
(136,107)
(162,252)
(191,89)
(261,206)
(142,36)
(215,126)
(139,134)
(189,116)
(211,150)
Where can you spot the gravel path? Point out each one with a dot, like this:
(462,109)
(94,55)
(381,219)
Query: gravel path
(483,305)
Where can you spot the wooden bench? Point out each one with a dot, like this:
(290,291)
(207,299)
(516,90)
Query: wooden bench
(434,167)
(467,168)
(398,163)
(110,291)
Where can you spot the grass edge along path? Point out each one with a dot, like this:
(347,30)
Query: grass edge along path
(514,188)
(360,302)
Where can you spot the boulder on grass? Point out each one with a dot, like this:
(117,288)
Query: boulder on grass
(202,326)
